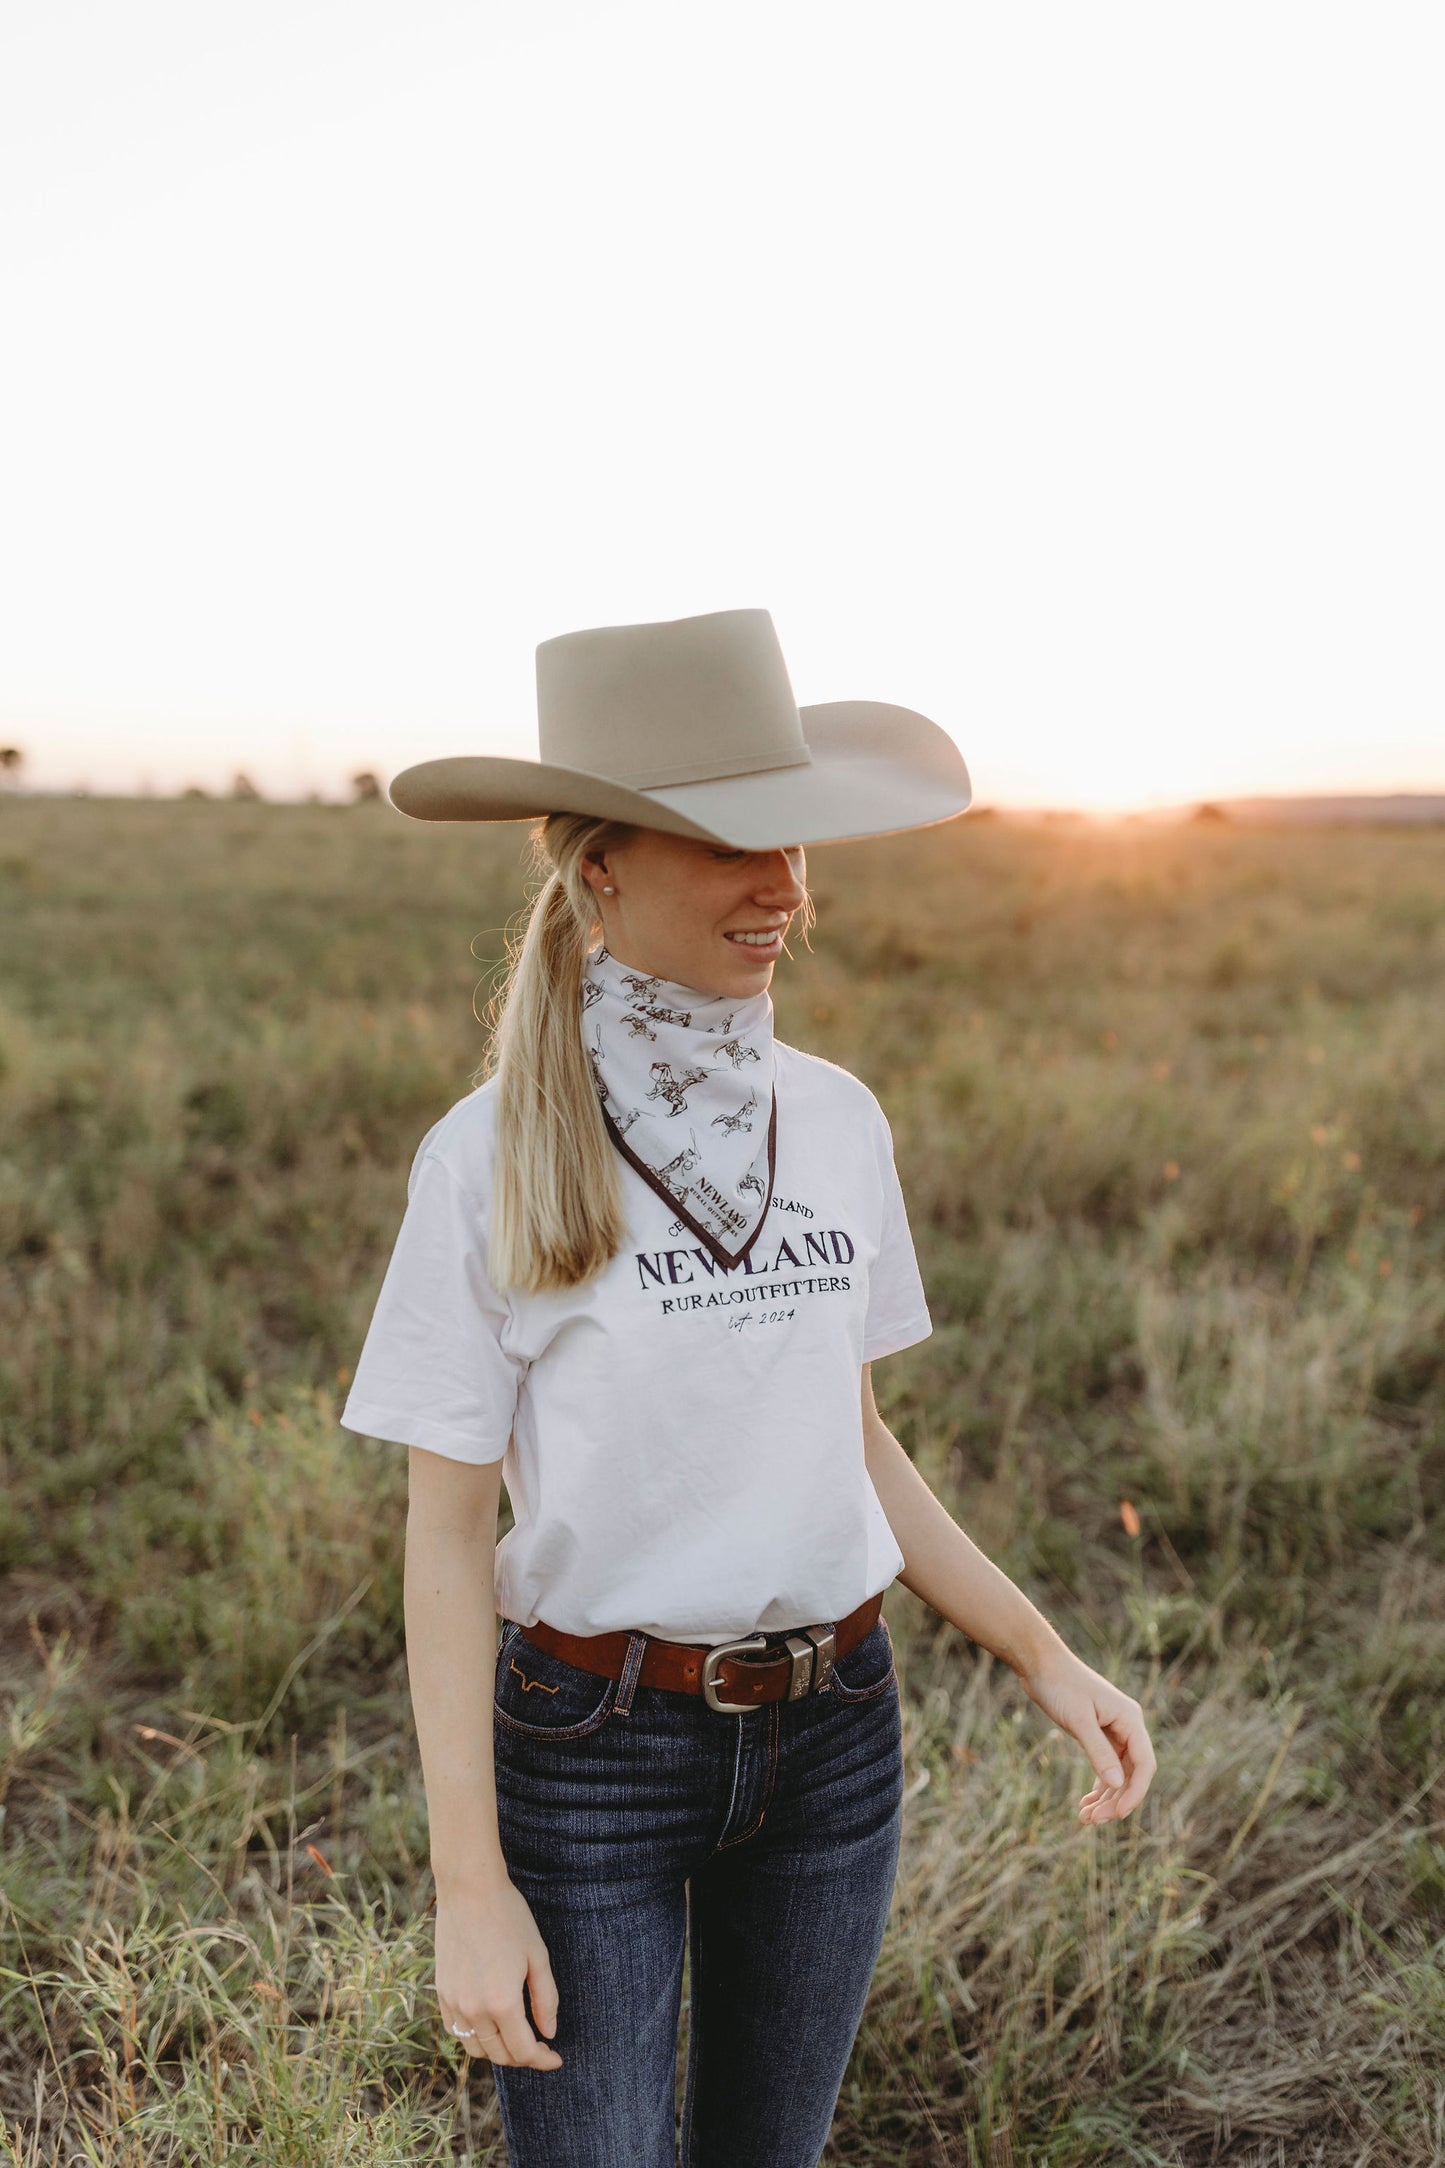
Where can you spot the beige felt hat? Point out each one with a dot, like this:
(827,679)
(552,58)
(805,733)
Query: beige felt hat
(690,725)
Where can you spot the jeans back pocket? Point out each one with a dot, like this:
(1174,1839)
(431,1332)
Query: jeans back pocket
(537,1695)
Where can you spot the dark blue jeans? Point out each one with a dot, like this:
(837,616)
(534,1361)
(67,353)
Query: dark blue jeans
(637,1822)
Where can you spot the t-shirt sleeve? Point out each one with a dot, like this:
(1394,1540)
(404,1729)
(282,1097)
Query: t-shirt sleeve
(897,1314)
(433,1370)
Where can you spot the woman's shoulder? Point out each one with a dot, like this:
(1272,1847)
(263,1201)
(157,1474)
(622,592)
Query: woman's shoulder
(830,1085)
(464,1138)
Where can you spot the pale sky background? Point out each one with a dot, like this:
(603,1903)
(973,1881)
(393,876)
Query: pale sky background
(1069,373)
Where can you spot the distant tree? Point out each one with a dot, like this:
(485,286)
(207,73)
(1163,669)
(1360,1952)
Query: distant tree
(1208,812)
(243,787)
(195,790)
(365,785)
(12,760)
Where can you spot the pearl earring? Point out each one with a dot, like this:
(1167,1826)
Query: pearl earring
(609,890)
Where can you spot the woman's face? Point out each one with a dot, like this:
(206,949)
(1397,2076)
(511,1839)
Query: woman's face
(678,900)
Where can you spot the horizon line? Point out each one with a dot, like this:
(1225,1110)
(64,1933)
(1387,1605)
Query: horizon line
(1184,809)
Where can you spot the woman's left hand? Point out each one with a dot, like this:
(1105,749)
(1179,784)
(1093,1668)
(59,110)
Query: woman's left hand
(1108,1725)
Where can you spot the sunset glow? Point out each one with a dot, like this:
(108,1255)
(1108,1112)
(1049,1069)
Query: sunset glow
(1071,377)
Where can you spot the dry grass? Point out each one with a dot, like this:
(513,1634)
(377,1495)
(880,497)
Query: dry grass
(1170,1113)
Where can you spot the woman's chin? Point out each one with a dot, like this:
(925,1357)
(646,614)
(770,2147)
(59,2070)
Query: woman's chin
(748,978)
(733,976)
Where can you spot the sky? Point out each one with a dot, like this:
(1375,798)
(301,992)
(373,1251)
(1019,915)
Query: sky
(1068,374)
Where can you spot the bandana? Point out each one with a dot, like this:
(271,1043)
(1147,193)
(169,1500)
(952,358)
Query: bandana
(685,1081)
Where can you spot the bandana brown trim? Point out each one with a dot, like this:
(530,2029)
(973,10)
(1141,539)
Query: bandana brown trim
(680,1212)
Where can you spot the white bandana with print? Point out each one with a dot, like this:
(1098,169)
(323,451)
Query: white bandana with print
(685,1081)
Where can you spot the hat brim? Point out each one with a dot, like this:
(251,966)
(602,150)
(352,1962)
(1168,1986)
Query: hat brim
(874,770)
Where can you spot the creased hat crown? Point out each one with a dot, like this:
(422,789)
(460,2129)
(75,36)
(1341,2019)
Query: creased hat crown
(610,699)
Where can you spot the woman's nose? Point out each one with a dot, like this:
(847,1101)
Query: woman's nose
(780,882)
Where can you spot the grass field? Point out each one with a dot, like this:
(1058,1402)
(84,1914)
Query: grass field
(1169,1110)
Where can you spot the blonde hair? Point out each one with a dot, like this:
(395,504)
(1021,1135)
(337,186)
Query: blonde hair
(557,1215)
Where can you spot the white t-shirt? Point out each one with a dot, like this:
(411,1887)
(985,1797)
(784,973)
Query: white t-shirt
(682,1444)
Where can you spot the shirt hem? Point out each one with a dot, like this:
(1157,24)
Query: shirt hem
(710,1638)
(889,1343)
(405,1430)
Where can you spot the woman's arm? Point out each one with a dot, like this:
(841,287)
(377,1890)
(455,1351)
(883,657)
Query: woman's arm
(950,1573)
(942,1565)
(487,1943)
(451,1648)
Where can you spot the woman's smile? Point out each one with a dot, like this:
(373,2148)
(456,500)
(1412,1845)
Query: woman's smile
(765,946)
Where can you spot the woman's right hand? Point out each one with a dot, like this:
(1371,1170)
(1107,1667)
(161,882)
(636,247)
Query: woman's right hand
(487,1946)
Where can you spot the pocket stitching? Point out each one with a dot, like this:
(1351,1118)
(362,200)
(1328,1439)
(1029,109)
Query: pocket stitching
(845,1692)
(578,1730)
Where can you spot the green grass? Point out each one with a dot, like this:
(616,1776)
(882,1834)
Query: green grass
(1169,1109)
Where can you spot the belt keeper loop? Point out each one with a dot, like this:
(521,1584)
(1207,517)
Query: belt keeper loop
(631,1666)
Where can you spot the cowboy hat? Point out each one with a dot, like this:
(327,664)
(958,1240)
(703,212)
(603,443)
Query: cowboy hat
(690,725)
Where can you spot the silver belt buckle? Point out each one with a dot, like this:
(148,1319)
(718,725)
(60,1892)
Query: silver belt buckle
(811,1653)
(824,1645)
(710,1663)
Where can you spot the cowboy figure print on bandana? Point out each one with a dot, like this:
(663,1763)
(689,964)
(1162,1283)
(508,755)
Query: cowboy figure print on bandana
(685,1082)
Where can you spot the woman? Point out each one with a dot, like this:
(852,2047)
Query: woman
(643,1272)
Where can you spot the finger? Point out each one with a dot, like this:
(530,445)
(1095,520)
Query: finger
(1137,1755)
(1112,1788)
(1100,1750)
(1128,1731)
(521,2042)
(482,2044)
(1115,1765)
(501,2028)
(542,1989)
(475,2031)
(1113,1805)
(1107,1810)
(1104,1798)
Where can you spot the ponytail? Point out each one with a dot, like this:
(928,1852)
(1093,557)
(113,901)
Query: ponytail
(556,1214)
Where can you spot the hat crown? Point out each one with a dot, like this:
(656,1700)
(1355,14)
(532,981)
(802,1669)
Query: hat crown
(683,700)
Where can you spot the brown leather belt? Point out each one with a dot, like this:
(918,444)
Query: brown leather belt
(802,1662)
